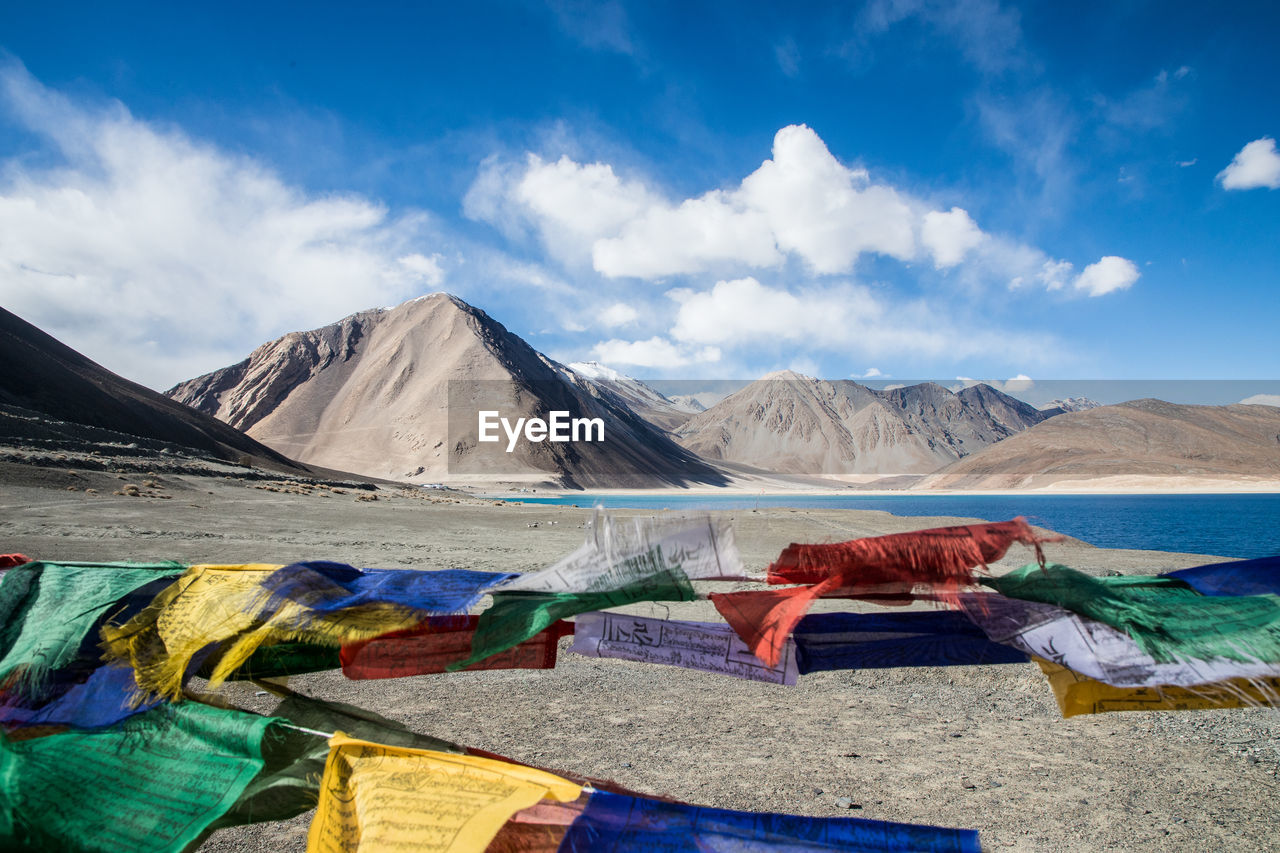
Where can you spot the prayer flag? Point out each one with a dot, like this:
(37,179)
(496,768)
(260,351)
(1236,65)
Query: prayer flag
(614,555)
(155,783)
(829,641)
(1238,577)
(379,797)
(1079,694)
(431,648)
(1166,619)
(624,824)
(943,556)
(517,615)
(1092,648)
(49,610)
(706,646)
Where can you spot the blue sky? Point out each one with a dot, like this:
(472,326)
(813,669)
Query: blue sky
(679,190)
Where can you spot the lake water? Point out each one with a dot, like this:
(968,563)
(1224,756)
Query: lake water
(1225,525)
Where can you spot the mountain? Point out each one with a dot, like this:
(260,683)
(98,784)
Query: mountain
(791,423)
(688,402)
(397,392)
(51,393)
(1068,404)
(1142,438)
(640,398)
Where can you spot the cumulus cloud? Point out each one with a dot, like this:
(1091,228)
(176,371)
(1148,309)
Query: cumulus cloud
(163,257)
(1257,165)
(618,314)
(801,203)
(838,318)
(1108,275)
(655,352)
(949,236)
(869,373)
(1262,400)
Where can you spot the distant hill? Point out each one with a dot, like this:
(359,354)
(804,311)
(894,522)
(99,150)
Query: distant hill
(50,392)
(649,404)
(375,393)
(1142,438)
(790,423)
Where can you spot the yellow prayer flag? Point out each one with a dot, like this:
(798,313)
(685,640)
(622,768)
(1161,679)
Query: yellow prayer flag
(387,798)
(1079,694)
(222,605)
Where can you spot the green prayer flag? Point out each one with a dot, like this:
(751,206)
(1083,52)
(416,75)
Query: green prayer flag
(1167,619)
(152,783)
(518,615)
(283,659)
(48,609)
(289,782)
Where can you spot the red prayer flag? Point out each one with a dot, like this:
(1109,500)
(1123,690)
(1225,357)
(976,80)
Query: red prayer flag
(432,646)
(944,556)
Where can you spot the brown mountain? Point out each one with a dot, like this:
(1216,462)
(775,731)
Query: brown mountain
(51,393)
(396,393)
(791,423)
(1142,438)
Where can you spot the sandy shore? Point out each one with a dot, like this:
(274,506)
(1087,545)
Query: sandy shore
(978,747)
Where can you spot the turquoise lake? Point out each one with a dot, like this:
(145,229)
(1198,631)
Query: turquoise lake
(1244,525)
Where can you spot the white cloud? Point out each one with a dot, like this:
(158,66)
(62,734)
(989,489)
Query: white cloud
(869,373)
(803,201)
(949,236)
(655,352)
(141,241)
(573,205)
(824,211)
(1257,165)
(1262,400)
(428,270)
(1109,274)
(800,204)
(618,314)
(744,313)
(702,232)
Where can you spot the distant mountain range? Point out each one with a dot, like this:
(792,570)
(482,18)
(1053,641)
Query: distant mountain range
(394,393)
(1142,438)
(374,392)
(796,424)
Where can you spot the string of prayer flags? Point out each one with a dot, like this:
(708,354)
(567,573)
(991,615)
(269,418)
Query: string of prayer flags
(41,631)
(378,797)
(615,554)
(1166,619)
(831,641)
(625,824)
(430,648)
(1239,577)
(518,615)
(764,619)
(710,647)
(1094,649)
(944,557)
(155,783)
(1079,694)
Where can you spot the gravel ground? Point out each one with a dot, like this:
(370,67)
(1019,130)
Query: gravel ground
(976,747)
